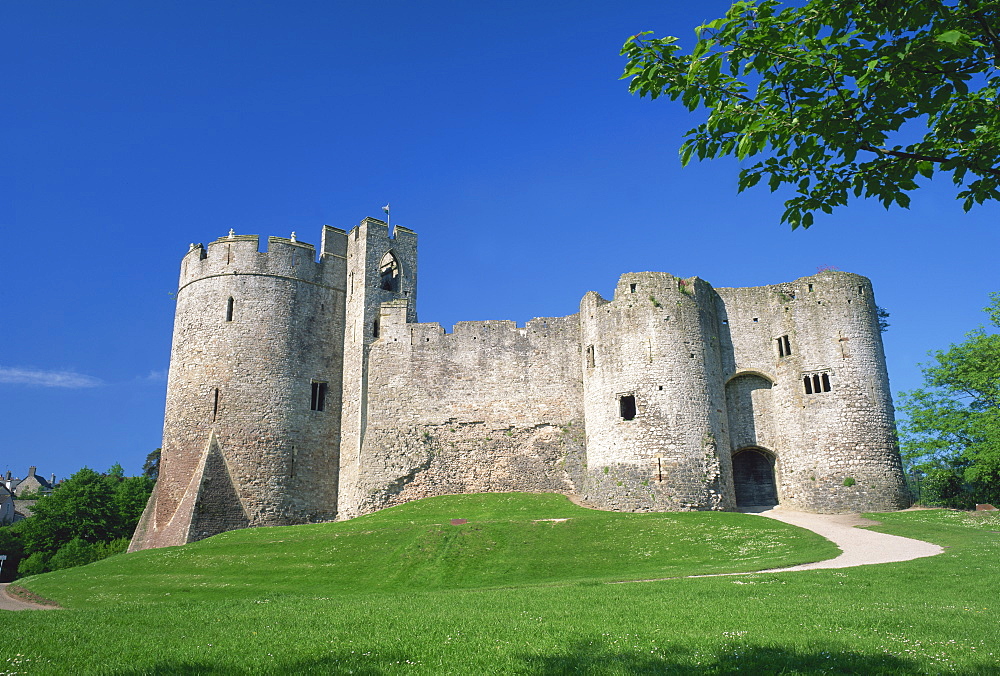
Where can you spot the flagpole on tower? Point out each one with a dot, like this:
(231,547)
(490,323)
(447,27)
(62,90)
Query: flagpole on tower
(388,225)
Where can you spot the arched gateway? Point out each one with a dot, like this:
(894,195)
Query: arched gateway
(753,478)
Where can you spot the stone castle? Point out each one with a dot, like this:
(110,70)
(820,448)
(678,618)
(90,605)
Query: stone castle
(303,389)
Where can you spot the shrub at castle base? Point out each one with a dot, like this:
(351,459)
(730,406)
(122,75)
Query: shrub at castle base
(305,390)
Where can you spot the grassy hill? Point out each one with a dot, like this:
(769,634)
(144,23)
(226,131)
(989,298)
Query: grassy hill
(508,539)
(405,591)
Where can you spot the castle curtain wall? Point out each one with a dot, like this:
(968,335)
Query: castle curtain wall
(489,407)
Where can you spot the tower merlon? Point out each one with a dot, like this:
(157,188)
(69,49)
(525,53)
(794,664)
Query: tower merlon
(333,242)
(404,234)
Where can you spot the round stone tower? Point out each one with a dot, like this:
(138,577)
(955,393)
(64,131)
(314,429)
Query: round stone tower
(810,414)
(654,398)
(845,457)
(252,425)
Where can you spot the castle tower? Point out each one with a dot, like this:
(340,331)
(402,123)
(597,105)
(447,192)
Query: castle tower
(808,399)
(252,425)
(654,396)
(381,268)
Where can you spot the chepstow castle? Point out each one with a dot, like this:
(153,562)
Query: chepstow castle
(302,388)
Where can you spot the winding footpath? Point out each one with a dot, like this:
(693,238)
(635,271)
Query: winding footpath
(8,602)
(858,548)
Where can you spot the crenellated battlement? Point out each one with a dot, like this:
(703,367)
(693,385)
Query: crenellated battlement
(284,257)
(472,335)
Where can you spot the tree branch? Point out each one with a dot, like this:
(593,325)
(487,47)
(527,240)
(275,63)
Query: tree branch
(917,156)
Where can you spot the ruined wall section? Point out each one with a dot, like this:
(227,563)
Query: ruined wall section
(654,397)
(369,247)
(253,330)
(821,439)
(490,407)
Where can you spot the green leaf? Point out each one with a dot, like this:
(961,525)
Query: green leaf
(951,37)
(685,153)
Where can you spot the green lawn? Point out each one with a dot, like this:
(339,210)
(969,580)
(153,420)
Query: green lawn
(404,591)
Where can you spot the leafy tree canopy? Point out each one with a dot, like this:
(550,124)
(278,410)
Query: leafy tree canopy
(840,97)
(952,429)
(89,506)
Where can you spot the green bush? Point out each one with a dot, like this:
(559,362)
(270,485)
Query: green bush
(35,564)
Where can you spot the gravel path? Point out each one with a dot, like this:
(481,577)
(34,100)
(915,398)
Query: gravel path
(859,547)
(8,602)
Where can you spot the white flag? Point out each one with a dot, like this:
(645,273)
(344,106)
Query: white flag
(386,208)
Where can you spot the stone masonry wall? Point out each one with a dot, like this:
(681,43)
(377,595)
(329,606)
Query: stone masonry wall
(489,407)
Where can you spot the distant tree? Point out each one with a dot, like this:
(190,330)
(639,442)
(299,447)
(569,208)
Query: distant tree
(951,434)
(151,468)
(10,542)
(843,97)
(81,508)
(86,512)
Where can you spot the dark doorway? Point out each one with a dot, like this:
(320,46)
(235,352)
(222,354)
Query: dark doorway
(753,478)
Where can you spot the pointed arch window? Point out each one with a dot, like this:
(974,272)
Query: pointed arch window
(388,272)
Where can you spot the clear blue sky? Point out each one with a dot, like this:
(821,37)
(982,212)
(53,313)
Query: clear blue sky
(500,132)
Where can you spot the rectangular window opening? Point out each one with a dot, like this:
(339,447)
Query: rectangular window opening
(230,308)
(626,406)
(807,381)
(590,356)
(631,288)
(810,287)
(826,382)
(318,402)
(215,404)
(784,346)
(375,329)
